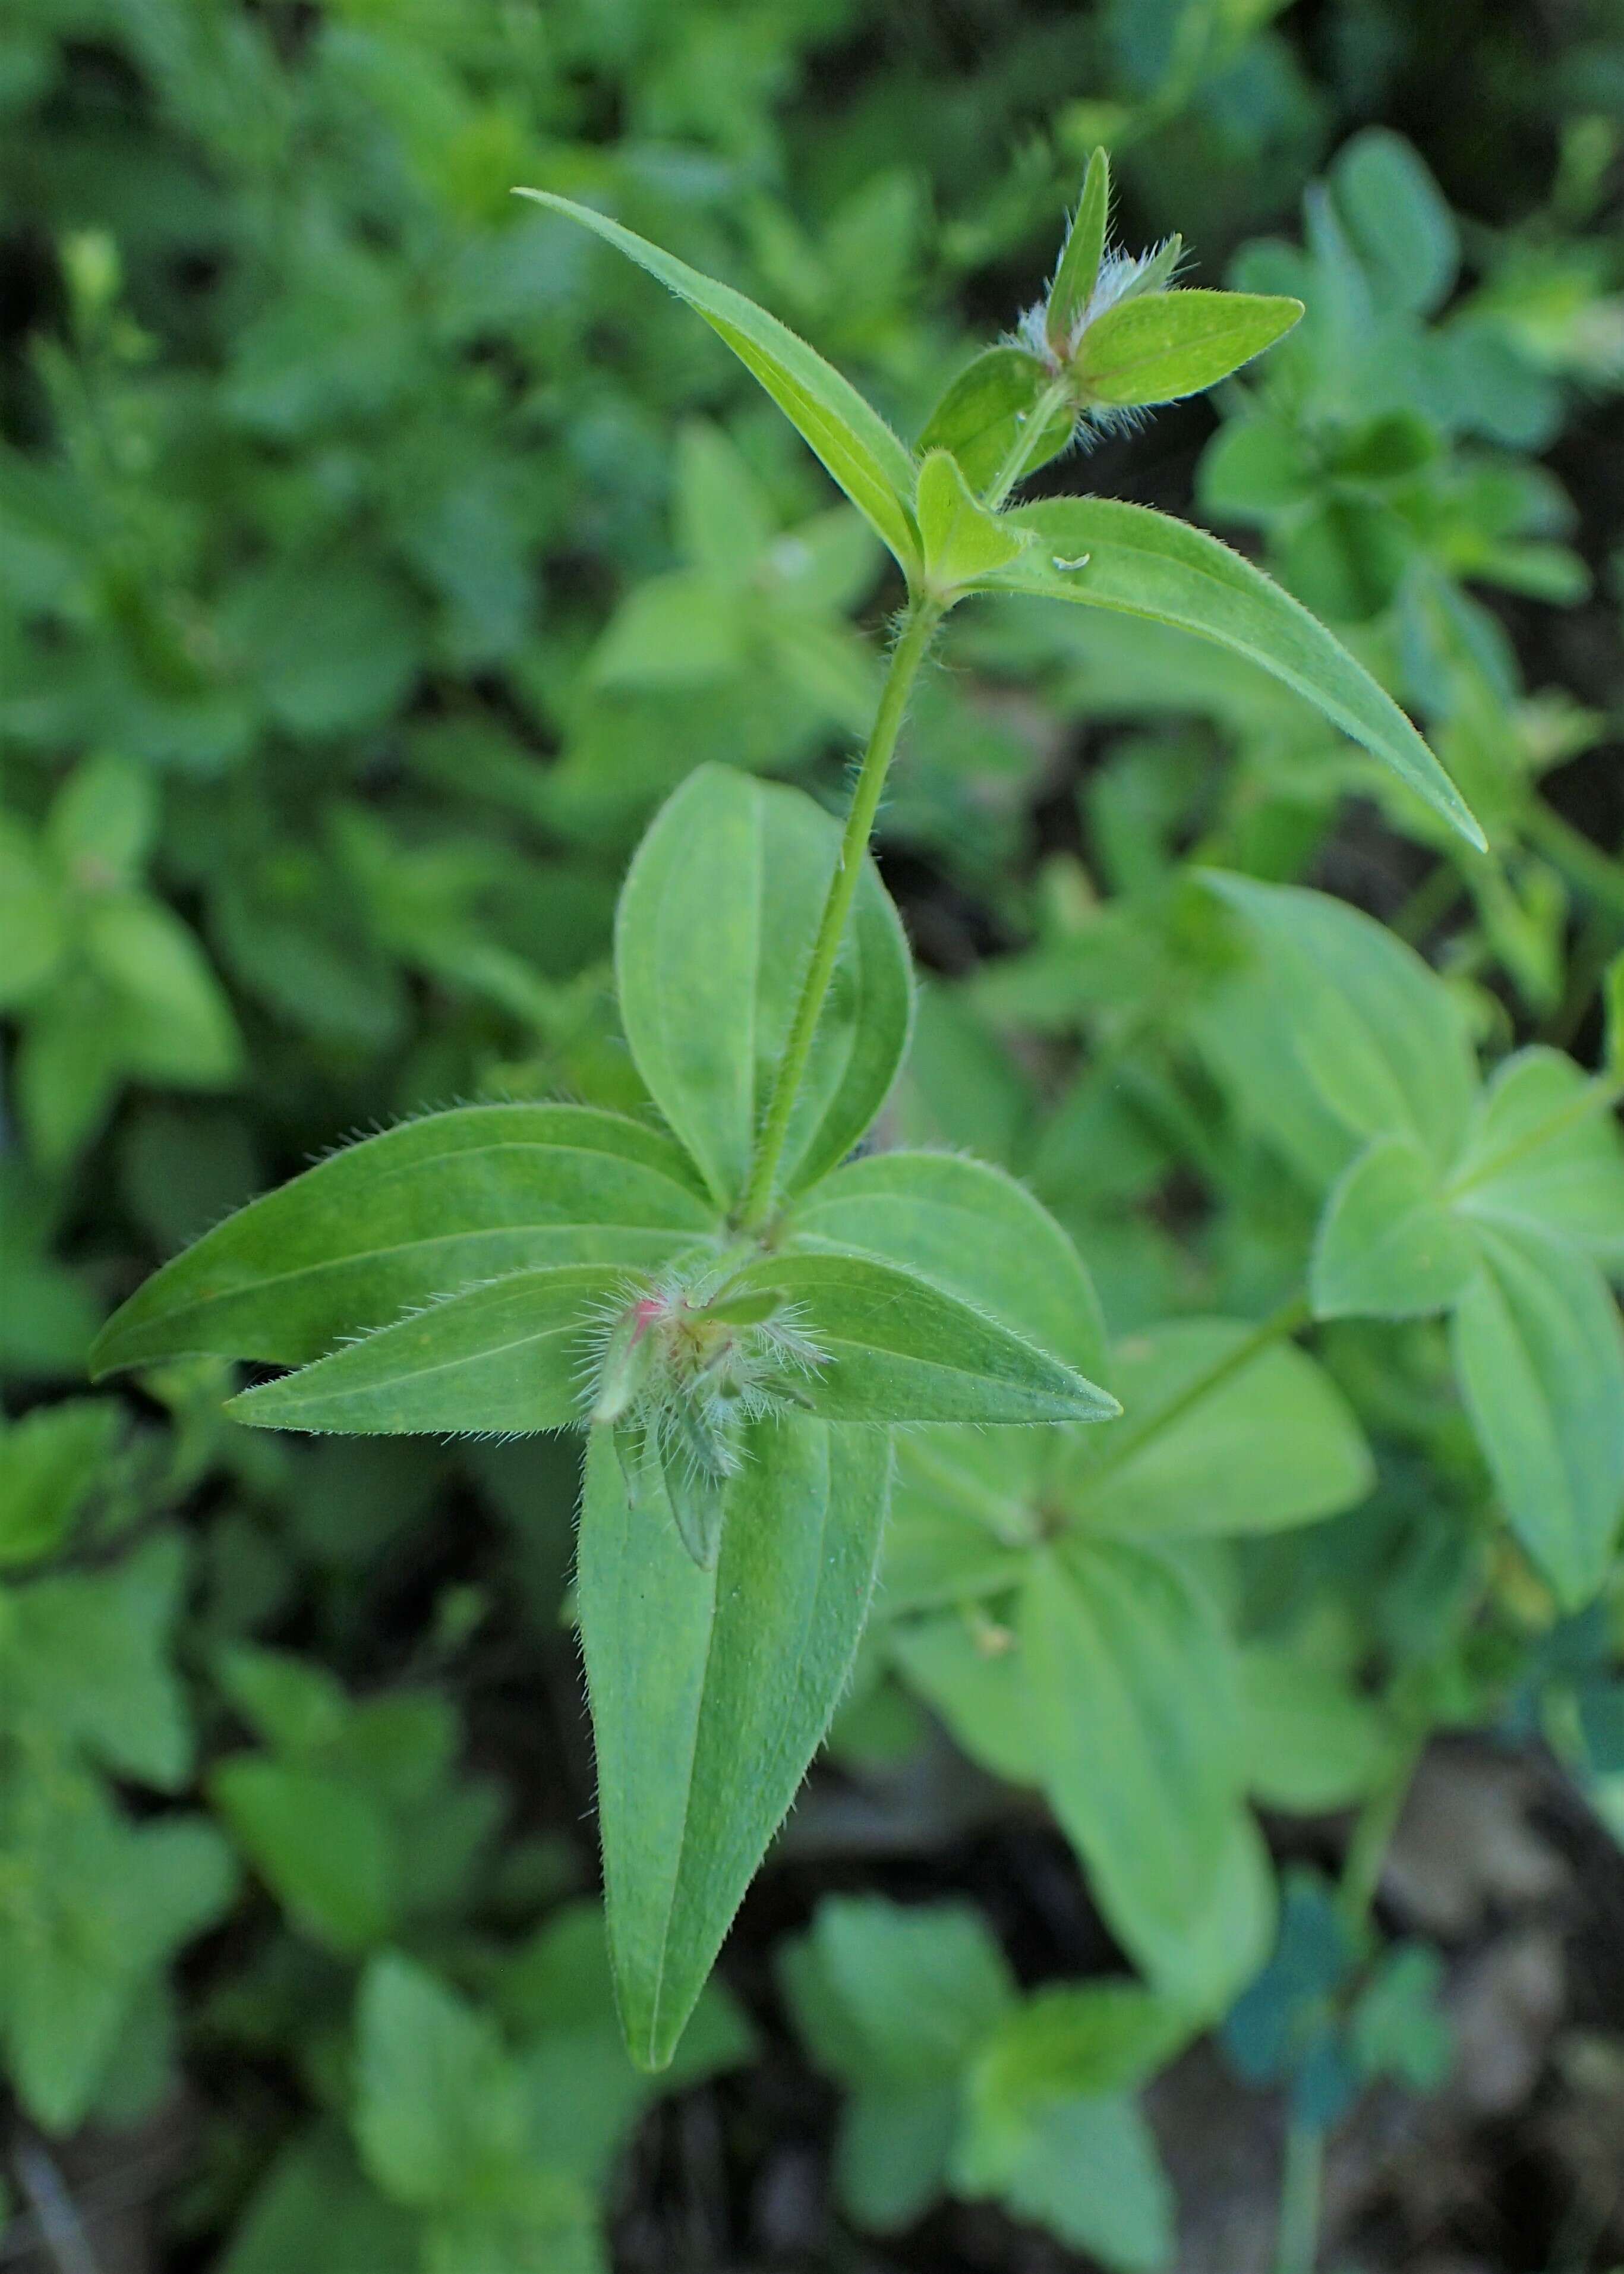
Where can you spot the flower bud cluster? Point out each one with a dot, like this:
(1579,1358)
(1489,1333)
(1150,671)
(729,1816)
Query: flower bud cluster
(678,1371)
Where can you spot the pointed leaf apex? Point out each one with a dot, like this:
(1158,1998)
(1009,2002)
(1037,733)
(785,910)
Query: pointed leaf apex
(1084,249)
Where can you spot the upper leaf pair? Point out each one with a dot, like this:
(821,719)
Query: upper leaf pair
(1142,343)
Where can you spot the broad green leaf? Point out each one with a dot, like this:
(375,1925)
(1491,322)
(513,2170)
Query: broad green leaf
(974,1230)
(512,1356)
(314,2210)
(1070,2041)
(1540,1357)
(898,1348)
(542,2222)
(973,1672)
(965,1509)
(891,2153)
(175,1023)
(893,1996)
(103,822)
(1314,1741)
(854,441)
(1084,249)
(293,1704)
(94,1906)
(51,1462)
(1137,1713)
(715,926)
(685,629)
(1544,1154)
(1160,346)
(1268,1445)
(324,1847)
(962,540)
(1378,1033)
(439,2115)
(738,1670)
(86,1658)
(1141,563)
(33,930)
(401,1218)
(1398,218)
(1087,2169)
(1388,1243)
(981,417)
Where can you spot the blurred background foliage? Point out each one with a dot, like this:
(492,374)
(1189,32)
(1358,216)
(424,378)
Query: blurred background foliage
(375,553)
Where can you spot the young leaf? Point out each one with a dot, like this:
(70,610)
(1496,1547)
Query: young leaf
(1158,347)
(1545,1153)
(896,1348)
(1270,1445)
(854,441)
(715,925)
(897,1996)
(738,1670)
(1087,2169)
(961,539)
(322,1845)
(416,1213)
(1540,1357)
(1085,248)
(1388,1245)
(511,1357)
(51,1462)
(438,2109)
(983,410)
(974,1230)
(1378,1033)
(1142,563)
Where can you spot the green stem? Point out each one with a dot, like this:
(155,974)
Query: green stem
(1136,1435)
(1586,867)
(1373,1836)
(919,627)
(1296,2245)
(1053,400)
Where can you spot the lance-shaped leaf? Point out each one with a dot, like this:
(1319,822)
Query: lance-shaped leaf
(1540,1357)
(869,463)
(1379,1035)
(715,927)
(898,1348)
(962,539)
(1084,249)
(419,1212)
(1270,1444)
(974,1230)
(508,1358)
(1388,1245)
(1136,1706)
(711,1691)
(1158,347)
(985,409)
(1142,563)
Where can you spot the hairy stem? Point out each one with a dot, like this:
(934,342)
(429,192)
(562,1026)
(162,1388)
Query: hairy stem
(1136,1434)
(919,627)
(1297,2245)
(1048,405)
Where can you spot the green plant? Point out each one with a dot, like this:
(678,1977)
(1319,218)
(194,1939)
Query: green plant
(739,1320)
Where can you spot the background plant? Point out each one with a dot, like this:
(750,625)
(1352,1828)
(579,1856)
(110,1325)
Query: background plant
(377,558)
